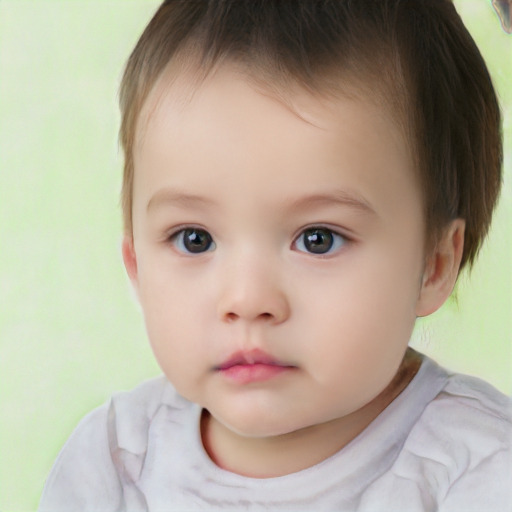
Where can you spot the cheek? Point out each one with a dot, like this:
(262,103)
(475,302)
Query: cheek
(172,321)
(367,292)
(364,317)
(167,296)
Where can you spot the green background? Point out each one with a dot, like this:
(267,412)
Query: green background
(71,332)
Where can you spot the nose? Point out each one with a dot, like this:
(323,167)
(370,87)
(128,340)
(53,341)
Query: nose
(252,293)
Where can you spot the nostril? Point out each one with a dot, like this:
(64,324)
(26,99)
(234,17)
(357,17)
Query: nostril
(231,317)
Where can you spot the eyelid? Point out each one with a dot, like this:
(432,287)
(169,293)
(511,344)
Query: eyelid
(172,234)
(336,231)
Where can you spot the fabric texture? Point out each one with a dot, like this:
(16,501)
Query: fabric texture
(444,444)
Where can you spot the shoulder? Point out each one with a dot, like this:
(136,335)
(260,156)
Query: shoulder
(103,455)
(464,438)
(131,412)
(472,413)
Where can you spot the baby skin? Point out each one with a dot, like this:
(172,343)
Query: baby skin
(278,252)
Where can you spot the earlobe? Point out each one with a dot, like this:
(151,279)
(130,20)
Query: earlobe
(130,259)
(442,269)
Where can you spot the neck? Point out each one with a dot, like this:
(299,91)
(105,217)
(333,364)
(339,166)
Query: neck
(285,454)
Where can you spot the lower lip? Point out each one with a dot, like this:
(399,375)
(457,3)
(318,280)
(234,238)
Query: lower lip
(248,373)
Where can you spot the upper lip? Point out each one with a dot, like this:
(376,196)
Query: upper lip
(250,357)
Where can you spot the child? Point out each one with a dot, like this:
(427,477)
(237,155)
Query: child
(303,179)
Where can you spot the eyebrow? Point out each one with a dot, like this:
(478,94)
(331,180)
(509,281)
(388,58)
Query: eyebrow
(167,196)
(336,197)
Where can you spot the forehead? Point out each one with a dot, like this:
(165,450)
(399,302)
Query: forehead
(183,80)
(226,127)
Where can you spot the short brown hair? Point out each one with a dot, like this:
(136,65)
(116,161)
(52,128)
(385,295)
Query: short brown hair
(415,53)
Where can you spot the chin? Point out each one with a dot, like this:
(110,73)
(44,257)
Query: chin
(261,425)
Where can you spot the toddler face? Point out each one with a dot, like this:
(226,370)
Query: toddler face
(277,253)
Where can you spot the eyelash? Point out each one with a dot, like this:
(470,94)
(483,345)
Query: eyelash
(178,238)
(335,241)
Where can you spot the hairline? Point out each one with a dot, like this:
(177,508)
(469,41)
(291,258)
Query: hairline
(331,86)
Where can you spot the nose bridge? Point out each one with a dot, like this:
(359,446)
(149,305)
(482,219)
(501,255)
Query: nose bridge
(253,289)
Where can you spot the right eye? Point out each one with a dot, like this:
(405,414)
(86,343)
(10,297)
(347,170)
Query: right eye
(319,240)
(192,241)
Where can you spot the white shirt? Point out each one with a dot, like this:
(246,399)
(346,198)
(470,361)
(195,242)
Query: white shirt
(444,444)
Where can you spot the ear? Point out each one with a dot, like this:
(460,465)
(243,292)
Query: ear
(442,269)
(130,260)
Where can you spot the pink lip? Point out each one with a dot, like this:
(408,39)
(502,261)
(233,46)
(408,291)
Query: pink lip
(252,366)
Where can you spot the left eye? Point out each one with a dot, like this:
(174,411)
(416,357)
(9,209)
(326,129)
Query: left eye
(193,241)
(318,240)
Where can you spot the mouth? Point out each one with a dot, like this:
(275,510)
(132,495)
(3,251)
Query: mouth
(252,366)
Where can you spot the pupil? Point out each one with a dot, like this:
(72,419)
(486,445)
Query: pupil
(196,240)
(318,241)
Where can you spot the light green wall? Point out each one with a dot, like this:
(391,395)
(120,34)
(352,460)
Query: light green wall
(70,331)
